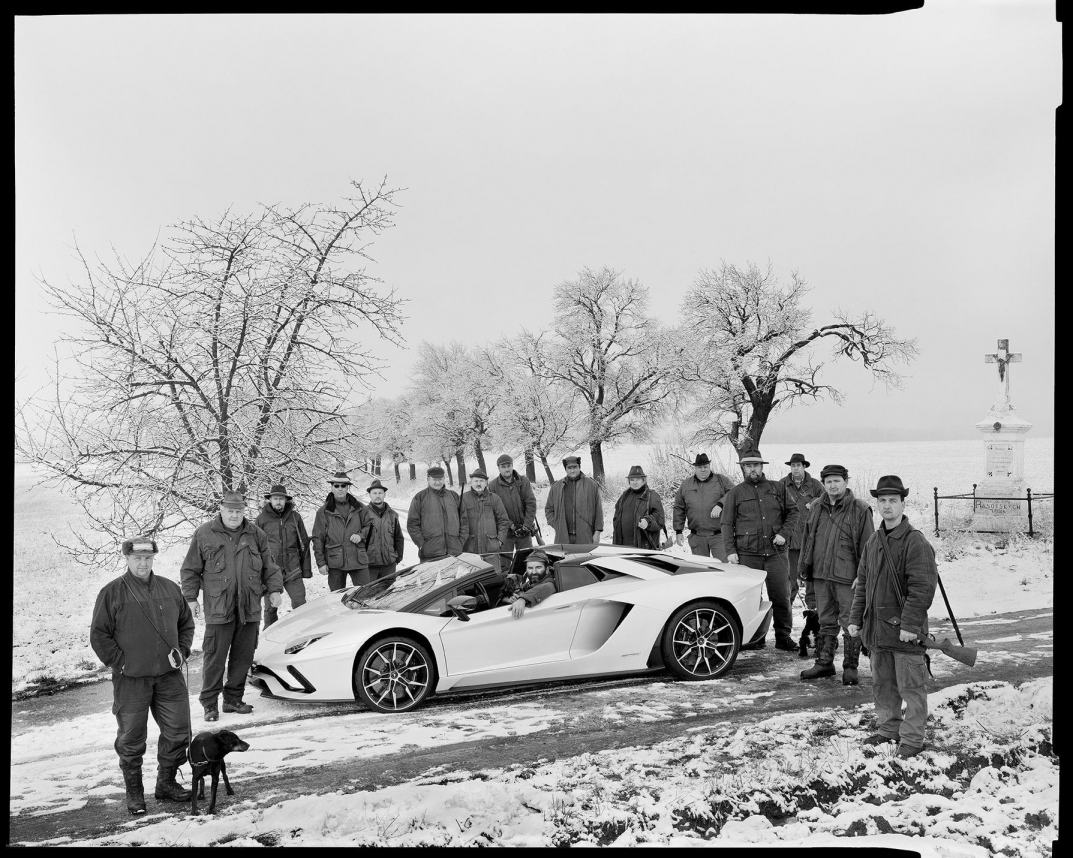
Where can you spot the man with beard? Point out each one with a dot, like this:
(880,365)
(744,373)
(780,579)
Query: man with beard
(483,522)
(890,612)
(754,512)
(516,492)
(699,503)
(574,507)
(432,520)
(288,543)
(535,586)
(340,536)
(386,542)
(638,516)
(837,529)
(801,489)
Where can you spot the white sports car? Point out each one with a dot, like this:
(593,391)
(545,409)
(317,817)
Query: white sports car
(438,627)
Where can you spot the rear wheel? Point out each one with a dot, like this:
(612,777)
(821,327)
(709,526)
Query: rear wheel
(701,641)
(393,674)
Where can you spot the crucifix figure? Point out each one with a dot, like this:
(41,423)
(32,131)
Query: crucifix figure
(1003,358)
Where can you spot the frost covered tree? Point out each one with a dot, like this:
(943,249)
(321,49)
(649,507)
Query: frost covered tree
(750,347)
(611,353)
(224,359)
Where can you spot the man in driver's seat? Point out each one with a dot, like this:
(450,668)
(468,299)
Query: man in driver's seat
(533,588)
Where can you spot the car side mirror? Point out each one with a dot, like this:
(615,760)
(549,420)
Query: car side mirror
(460,606)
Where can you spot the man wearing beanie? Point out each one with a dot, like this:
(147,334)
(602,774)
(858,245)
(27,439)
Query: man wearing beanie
(482,520)
(516,492)
(836,531)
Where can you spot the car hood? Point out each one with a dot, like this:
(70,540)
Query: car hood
(317,616)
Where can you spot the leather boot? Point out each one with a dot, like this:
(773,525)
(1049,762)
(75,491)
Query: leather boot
(166,787)
(132,781)
(825,659)
(851,653)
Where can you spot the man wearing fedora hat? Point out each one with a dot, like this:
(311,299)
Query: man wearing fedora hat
(288,543)
(142,628)
(895,587)
(432,520)
(229,561)
(754,512)
(340,535)
(836,531)
(574,507)
(482,519)
(800,489)
(386,542)
(638,517)
(699,503)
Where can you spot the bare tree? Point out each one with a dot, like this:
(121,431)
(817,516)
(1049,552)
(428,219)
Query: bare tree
(222,360)
(607,349)
(749,347)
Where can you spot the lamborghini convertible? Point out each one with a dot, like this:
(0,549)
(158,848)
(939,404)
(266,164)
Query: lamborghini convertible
(439,627)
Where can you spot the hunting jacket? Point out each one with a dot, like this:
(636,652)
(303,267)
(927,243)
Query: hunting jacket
(752,517)
(588,511)
(332,530)
(288,540)
(796,514)
(875,598)
(483,522)
(234,568)
(630,508)
(433,524)
(386,542)
(518,499)
(835,535)
(122,633)
(694,501)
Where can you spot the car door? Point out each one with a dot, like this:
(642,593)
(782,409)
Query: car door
(493,640)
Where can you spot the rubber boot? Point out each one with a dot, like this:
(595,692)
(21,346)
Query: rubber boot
(825,659)
(851,653)
(166,787)
(132,781)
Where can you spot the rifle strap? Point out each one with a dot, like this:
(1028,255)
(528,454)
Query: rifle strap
(889,566)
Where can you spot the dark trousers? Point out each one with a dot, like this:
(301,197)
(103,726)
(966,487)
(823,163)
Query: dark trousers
(833,601)
(898,676)
(133,698)
(337,578)
(378,572)
(708,545)
(232,644)
(519,542)
(778,587)
(296,590)
(792,556)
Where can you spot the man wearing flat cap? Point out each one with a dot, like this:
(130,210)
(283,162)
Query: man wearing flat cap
(432,520)
(230,562)
(574,508)
(638,517)
(386,543)
(516,492)
(699,503)
(341,531)
(754,512)
(800,489)
(482,520)
(142,628)
(895,587)
(837,528)
(288,542)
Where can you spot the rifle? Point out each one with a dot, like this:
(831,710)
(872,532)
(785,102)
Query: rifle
(965,654)
(539,537)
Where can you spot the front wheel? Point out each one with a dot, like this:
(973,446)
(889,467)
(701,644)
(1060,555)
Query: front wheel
(701,641)
(393,675)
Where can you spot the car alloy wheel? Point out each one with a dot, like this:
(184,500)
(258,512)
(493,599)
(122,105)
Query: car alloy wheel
(701,641)
(393,675)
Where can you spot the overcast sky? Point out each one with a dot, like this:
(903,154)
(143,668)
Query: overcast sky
(902,164)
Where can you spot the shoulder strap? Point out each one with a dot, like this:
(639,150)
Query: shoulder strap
(888,564)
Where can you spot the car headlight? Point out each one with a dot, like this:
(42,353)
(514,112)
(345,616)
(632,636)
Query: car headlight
(302,644)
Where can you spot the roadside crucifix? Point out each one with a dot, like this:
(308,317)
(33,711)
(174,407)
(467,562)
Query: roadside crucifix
(1003,358)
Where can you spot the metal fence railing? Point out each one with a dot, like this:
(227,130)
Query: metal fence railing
(1028,499)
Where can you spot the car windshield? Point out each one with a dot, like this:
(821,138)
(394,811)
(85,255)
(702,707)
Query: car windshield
(395,593)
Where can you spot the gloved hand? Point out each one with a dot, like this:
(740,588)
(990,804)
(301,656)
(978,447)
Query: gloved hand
(275,599)
(195,609)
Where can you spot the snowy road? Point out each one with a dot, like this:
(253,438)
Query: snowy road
(65,780)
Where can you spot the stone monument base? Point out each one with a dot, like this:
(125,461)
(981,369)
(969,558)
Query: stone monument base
(994,512)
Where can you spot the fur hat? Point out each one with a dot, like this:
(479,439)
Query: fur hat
(571,460)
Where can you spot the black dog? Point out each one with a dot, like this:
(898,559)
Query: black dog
(811,632)
(207,752)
